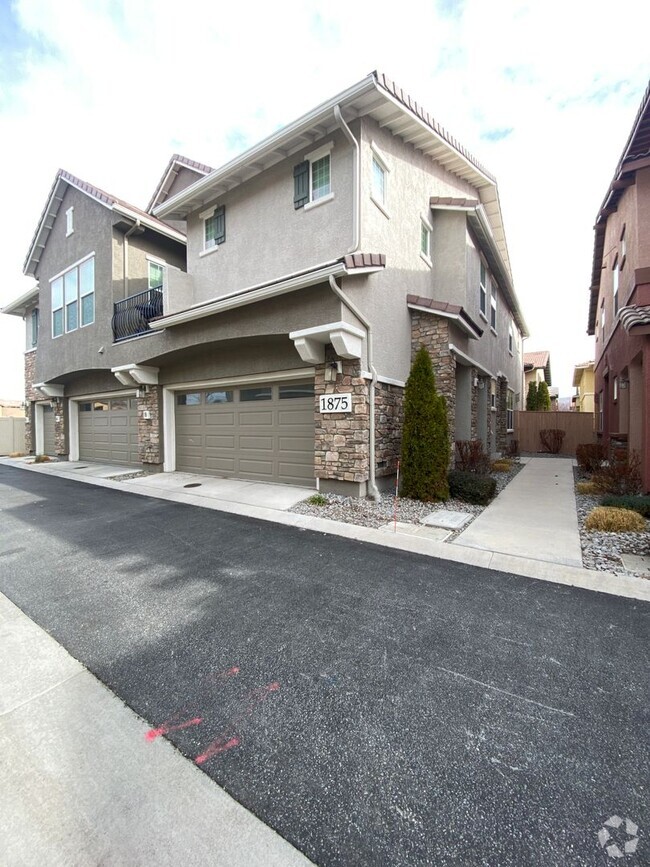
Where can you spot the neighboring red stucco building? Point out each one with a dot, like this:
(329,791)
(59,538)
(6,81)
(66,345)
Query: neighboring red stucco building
(619,310)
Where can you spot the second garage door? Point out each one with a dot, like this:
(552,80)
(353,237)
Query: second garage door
(108,431)
(263,432)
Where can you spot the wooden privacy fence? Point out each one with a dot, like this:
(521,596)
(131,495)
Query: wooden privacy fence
(12,435)
(578,428)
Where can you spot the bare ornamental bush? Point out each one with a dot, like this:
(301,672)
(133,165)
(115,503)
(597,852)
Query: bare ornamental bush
(620,475)
(471,457)
(590,456)
(552,440)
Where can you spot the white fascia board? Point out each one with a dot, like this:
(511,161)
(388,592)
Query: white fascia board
(151,224)
(249,296)
(20,305)
(49,389)
(447,315)
(267,145)
(321,332)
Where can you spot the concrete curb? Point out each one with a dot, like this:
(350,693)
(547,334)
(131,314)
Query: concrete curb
(629,587)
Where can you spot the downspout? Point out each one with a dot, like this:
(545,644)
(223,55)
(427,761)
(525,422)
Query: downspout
(356,181)
(134,228)
(336,289)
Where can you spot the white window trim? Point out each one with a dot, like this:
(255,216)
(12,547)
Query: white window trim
(377,155)
(69,221)
(309,206)
(61,275)
(493,306)
(424,256)
(151,258)
(511,340)
(161,264)
(319,153)
(208,250)
(485,287)
(70,267)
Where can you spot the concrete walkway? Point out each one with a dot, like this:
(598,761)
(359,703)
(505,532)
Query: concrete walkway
(534,517)
(82,783)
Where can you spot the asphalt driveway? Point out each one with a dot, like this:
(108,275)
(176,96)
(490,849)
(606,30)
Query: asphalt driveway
(373,706)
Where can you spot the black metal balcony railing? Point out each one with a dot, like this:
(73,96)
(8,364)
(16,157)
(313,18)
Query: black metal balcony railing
(133,315)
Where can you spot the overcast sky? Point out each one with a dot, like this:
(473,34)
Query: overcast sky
(542,93)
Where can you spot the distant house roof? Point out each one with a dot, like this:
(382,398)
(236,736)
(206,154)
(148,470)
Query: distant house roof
(579,370)
(540,360)
(175,164)
(637,148)
(64,179)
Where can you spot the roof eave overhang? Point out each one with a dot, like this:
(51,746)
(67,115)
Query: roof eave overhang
(154,225)
(21,305)
(389,111)
(252,295)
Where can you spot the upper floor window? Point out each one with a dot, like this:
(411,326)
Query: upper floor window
(378,181)
(425,241)
(602,319)
(214,227)
(73,297)
(511,340)
(623,247)
(615,388)
(33,330)
(69,221)
(156,275)
(483,290)
(615,278)
(493,309)
(493,394)
(312,178)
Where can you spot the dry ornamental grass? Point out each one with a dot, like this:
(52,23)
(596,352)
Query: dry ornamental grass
(611,520)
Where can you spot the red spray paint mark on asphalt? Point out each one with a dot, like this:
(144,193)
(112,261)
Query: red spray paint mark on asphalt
(223,743)
(219,745)
(165,728)
(222,675)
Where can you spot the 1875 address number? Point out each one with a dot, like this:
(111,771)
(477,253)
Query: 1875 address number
(336,403)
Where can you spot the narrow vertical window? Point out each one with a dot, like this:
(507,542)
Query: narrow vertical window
(69,221)
(57,307)
(70,283)
(425,241)
(493,309)
(615,279)
(156,273)
(378,182)
(510,340)
(320,178)
(34,327)
(87,291)
(510,410)
(483,290)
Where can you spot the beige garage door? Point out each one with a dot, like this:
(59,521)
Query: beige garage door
(108,431)
(263,432)
(48,430)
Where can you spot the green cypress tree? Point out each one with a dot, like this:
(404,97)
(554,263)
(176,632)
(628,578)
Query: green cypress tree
(531,397)
(543,397)
(425,437)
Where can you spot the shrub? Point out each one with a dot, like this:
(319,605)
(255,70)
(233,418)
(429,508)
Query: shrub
(501,466)
(471,487)
(552,439)
(543,397)
(531,397)
(318,500)
(620,475)
(425,436)
(471,457)
(587,488)
(17,455)
(42,459)
(612,520)
(590,456)
(640,504)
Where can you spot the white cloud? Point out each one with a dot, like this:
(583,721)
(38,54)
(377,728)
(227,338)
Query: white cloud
(109,90)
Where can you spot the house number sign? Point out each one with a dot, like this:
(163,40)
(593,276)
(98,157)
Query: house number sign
(336,403)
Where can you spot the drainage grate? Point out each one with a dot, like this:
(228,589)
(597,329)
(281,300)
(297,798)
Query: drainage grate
(193,485)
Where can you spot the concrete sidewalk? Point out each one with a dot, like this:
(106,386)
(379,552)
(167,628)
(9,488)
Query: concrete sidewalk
(534,517)
(82,784)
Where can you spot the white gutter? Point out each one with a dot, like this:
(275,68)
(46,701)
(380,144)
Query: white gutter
(336,289)
(356,180)
(258,292)
(151,224)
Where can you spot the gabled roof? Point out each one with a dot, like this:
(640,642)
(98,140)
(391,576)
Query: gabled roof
(635,153)
(579,370)
(540,360)
(176,163)
(20,306)
(63,180)
(374,96)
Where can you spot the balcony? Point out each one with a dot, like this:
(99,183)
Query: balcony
(132,316)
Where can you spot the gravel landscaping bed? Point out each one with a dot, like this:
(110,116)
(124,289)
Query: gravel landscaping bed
(367,513)
(602,551)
